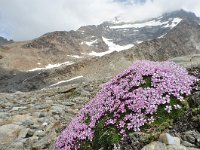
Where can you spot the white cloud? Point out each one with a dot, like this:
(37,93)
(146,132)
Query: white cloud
(27,19)
(154,8)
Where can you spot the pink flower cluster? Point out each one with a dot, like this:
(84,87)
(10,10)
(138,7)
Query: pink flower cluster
(129,98)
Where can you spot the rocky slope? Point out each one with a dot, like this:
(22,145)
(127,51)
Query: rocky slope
(33,120)
(2,42)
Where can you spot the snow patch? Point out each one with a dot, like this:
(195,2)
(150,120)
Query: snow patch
(50,66)
(75,56)
(114,47)
(138,42)
(100,53)
(175,21)
(127,29)
(140,25)
(91,42)
(65,81)
(162,36)
(111,48)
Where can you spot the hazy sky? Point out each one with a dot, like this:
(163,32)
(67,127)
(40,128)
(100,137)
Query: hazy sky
(28,19)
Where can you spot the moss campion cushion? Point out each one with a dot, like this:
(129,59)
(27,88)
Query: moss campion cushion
(126,103)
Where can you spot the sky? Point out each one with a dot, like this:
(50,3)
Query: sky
(27,19)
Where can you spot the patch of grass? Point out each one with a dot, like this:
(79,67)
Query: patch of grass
(196,110)
(104,137)
(147,83)
(87,120)
(72,94)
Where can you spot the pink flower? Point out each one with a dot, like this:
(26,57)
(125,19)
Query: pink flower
(151,120)
(168,108)
(127,100)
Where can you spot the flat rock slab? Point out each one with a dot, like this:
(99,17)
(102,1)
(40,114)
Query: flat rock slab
(168,139)
(9,132)
(155,146)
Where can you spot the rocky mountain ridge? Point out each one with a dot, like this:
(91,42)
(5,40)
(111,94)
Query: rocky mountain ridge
(182,40)
(89,41)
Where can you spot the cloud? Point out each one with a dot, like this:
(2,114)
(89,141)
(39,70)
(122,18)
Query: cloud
(154,8)
(28,19)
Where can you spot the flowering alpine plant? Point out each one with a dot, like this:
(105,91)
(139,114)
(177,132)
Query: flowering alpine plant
(126,103)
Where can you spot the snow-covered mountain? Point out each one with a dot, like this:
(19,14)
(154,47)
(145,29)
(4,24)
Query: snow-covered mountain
(89,52)
(60,47)
(118,35)
(98,40)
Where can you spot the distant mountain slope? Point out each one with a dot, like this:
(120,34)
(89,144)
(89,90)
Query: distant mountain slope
(57,42)
(90,41)
(119,34)
(4,41)
(182,40)
(59,57)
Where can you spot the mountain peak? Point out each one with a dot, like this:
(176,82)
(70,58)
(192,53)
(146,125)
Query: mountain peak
(181,14)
